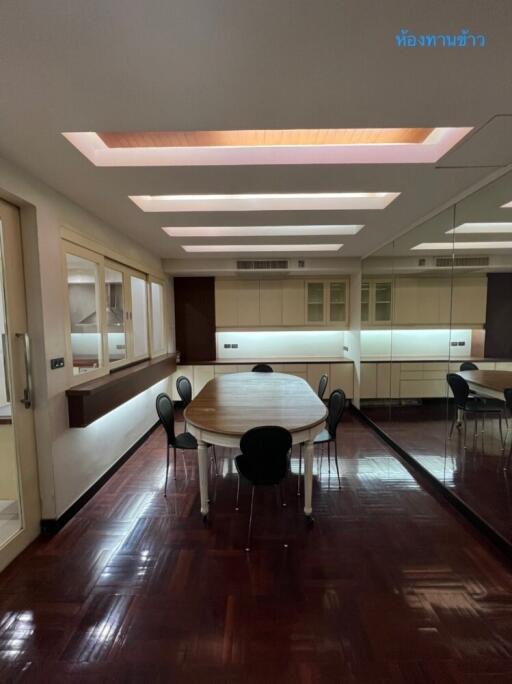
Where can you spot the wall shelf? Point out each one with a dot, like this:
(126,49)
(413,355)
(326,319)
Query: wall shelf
(91,400)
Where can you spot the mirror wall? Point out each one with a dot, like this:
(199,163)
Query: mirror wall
(436,348)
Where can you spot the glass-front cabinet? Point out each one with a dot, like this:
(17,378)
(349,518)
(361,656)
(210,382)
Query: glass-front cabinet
(376,302)
(326,302)
(116,314)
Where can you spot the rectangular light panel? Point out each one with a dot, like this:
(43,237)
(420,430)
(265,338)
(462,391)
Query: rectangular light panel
(263,248)
(497,227)
(266,201)
(463,245)
(508,205)
(260,231)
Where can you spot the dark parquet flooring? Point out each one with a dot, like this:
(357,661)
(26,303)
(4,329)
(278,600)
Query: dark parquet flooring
(387,586)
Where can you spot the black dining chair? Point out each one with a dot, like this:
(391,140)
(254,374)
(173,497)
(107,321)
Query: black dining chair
(335,410)
(262,368)
(465,403)
(508,402)
(470,366)
(184,389)
(322,386)
(184,441)
(264,461)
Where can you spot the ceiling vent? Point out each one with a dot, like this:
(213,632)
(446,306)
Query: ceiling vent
(444,262)
(268,265)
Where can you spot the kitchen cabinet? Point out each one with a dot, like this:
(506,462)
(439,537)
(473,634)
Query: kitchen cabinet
(341,376)
(248,303)
(271,302)
(376,302)
(368,387)
(469,300)
(293,292)
(201,375)
(226,303)
(327,302)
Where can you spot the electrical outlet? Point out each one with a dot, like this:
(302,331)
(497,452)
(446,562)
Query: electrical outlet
(234,346)
(461,344)
(57,363)
(227,346)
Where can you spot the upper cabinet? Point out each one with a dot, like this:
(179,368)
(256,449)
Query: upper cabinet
(376,302)
(281,303)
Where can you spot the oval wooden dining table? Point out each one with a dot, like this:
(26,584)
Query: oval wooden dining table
(233,403)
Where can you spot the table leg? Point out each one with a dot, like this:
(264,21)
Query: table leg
(308,477)
(202,461)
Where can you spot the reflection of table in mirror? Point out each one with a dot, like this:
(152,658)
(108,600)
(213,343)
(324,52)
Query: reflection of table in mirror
(491,383)
(233,403)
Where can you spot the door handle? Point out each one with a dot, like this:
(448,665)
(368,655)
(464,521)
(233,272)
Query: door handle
(27,392)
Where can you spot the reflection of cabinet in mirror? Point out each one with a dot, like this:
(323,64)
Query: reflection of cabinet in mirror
(376,302)
(326,302)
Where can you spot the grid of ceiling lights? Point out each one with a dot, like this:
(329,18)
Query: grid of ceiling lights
(270,147)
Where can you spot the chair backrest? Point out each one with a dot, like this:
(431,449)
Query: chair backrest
(184,389)
(265,454)
(165,410)
(508,398)
(322,386)
(468,365)
(262,368)
(335,407)
(460,389)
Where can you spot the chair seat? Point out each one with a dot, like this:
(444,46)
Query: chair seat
(483,405)
(322,437)
(185,441)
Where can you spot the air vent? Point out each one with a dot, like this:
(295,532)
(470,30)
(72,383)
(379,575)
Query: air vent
(443,262)
(269,265)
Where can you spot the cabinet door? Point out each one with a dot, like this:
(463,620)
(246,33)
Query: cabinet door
(202,375)
(271,302)
(315,302)
(248,302)
(469,300)
(382,291)
(293,302)
(406,296)
(341,376)
(368,381)
(365,302)
(226,303)
(337,301)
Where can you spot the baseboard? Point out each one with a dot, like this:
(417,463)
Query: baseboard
(498,541)
(50,526)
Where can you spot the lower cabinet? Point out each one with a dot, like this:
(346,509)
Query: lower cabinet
(341,375)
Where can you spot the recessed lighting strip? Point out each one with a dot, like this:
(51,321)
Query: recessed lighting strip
(260,231)
(266,202)
(462,245)
(263,248)
(488,227)
(508,205)
(428,151)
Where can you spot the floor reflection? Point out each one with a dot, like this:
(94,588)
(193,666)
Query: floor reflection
(477,473)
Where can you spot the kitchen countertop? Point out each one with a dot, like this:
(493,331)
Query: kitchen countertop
(241,362)
(438,359)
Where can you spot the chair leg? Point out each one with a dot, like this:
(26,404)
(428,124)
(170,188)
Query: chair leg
(465,421)
(166,472)
(249,531)
(184,463)
(237,507)
(215,460)
(174,449)
(329,457)
(282,495)
(336,461)
(453,423)
(300,465)
(501,432)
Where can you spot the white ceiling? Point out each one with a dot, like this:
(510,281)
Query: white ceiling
(126,65)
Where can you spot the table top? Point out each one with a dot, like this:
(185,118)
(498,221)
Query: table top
(233,403)
(498,381)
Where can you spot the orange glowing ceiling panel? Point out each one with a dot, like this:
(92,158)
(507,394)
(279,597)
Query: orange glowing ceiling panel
(299,137)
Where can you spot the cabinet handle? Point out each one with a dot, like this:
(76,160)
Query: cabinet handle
(27,392)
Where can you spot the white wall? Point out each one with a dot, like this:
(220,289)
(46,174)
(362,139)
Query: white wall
(280,344)
(419,344)
(69,460)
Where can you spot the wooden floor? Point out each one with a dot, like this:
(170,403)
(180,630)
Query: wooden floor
(387,586)
(476,474)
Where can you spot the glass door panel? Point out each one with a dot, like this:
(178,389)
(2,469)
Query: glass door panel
(139,316)
(115,315)
(382,302)
(337,300)
(82,278)
(365,302)
(315,303)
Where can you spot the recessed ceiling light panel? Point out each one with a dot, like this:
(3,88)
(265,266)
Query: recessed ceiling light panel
(266,202)
(488,227)
(508,205)
(303,146)
(463,245)
(260,231)
(263,248)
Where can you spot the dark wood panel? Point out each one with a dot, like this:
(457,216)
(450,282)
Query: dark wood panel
(387,587)
(91,400)
(498,323)
(194,304)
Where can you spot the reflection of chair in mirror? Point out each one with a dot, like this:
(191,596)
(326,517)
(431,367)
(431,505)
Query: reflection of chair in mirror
(467,404)
(470,366)
(322,385)
(262,368)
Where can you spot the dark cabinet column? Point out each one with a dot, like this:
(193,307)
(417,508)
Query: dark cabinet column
(498,324)
(194,303)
